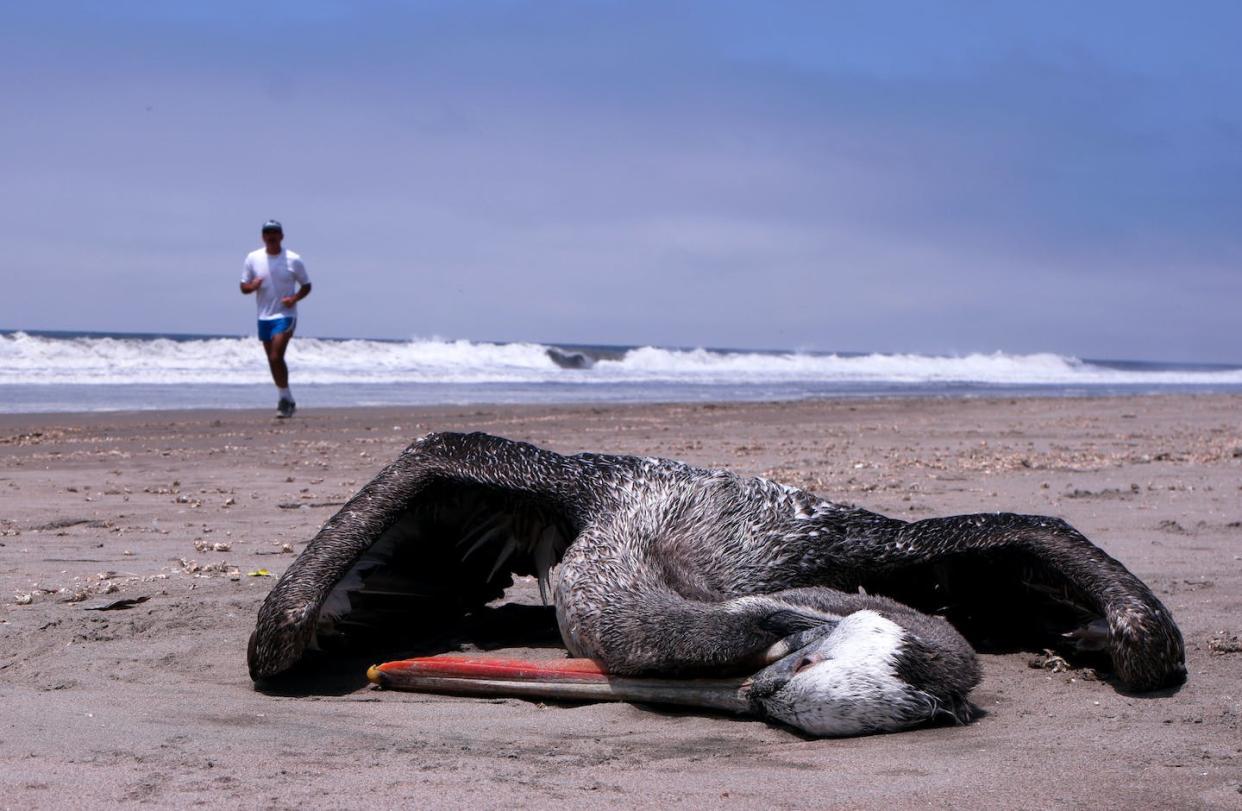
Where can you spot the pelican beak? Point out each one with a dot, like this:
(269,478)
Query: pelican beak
(554,680)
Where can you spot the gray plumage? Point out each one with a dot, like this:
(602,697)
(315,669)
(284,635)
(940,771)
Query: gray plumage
(669,569)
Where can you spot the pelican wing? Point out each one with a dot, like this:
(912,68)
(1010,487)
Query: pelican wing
(436,534)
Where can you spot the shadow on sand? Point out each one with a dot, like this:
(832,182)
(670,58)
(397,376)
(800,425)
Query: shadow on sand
(343,670)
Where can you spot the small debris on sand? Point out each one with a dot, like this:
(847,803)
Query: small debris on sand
(1224,644)
(118,604)
(1049,661)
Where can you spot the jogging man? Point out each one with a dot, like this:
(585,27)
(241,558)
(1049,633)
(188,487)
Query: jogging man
(280,281)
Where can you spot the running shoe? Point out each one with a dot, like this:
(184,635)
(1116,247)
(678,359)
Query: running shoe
(285,408)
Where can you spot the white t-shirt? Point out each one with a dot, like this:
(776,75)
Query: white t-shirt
(281,275)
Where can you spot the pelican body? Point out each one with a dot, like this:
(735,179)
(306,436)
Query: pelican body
(742,593)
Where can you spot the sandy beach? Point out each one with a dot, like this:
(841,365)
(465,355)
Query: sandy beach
(190,516)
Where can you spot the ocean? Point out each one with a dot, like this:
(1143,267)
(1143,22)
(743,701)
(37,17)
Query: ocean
(61,371)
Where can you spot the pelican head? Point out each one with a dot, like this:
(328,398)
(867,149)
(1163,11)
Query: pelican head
(868,674)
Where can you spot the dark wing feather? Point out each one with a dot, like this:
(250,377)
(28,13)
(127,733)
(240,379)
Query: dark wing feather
(453,549)
(1025,580)
(436,534)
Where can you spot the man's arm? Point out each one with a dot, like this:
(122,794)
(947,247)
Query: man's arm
(302,293)
(250,281)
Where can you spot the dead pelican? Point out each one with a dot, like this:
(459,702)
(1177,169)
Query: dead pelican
(667,570)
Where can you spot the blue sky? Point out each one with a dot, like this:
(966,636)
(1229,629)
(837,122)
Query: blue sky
(903,177)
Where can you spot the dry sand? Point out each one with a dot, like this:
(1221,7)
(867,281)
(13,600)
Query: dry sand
(152,705)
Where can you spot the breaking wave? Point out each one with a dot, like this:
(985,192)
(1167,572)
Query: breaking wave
(27,359)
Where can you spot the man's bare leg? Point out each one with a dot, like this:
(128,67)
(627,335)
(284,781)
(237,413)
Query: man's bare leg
(275,349)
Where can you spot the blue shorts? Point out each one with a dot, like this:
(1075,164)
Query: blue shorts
(270,327)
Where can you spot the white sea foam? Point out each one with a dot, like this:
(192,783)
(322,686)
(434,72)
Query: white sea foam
(36,359)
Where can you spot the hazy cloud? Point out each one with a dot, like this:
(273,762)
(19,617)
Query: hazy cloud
(856,176)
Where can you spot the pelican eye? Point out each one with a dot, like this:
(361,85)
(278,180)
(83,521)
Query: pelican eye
(804,663)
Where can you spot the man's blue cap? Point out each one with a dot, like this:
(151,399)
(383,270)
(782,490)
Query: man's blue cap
(272,225)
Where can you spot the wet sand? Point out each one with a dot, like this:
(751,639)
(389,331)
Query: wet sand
(151,704)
